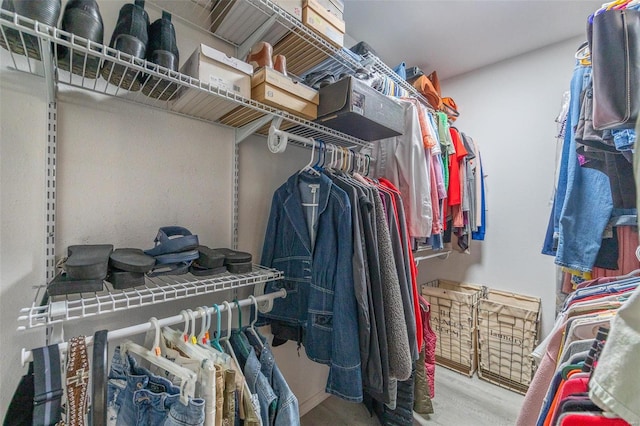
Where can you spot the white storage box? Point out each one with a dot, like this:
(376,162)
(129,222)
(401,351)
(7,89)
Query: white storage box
(217,69)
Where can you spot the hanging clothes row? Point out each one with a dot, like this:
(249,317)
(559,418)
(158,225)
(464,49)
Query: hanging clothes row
(439,172)
(577,382)
(188,377)
(595,191)
(342,241)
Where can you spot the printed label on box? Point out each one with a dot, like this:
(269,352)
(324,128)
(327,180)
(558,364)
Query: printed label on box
(357,102)
(223,84)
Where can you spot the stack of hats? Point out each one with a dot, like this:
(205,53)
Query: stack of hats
(219,260)
(84,270)
(128,266)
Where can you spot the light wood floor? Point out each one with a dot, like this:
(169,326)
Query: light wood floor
(459,401)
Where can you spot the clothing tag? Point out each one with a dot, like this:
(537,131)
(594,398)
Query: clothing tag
(314,187)
(157,388)
(357,102)
(608,232)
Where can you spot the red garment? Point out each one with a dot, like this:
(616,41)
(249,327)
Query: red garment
(589,419)
(454,194)
(414,270)
(567,387)
(430,340)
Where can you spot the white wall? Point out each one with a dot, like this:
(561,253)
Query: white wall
(509,109)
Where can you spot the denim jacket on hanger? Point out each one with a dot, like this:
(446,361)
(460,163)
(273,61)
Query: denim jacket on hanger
(318,278)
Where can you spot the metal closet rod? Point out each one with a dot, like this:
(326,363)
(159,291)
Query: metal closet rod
(122,333)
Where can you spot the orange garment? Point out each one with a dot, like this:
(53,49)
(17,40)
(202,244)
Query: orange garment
(559,396)
(428,140)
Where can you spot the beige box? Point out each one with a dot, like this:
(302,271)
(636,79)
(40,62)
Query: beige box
(281,81)
(508,326)
(216,69)
(292,7)
(332,8)
(281,99)
(322,27)
(453,318)
(325,9)
(276,89)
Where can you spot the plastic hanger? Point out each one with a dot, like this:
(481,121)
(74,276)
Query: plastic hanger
(203,336)
(226,341)
(308,167)
(317,166)
(251,327)
(187,377)
(239,313)
(216,338)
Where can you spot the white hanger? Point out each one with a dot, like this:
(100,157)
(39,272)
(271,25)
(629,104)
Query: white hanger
(308,167)
(187,345)
(253,322)
(203,336)
(187,377)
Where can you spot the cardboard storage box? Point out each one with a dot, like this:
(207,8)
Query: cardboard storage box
(292,7)
(325,9)
(322,27)
(354,108)
(335,8)
(273,88)
(215,68)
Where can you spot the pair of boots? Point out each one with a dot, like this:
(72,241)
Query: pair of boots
(261,54)
(45,11)
(154,42)
(81,17)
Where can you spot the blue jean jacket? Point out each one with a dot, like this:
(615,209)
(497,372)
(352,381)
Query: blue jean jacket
(287,412)
(318,278)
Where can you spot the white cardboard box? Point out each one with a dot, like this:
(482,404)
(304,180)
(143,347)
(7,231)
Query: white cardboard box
(217,69)
(293,7)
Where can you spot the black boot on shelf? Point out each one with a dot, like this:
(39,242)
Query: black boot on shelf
(44,11)
(130,36)
(162,50)
(82,18)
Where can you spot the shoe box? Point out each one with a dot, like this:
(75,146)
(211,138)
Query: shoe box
(352,107)
(280,91)
(292,7)
(215,68)
(321,19)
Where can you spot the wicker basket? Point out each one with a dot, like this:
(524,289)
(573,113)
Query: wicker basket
(508,332)
(453,318)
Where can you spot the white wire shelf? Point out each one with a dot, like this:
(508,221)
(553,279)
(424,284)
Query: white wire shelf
(156,290)
(163,89)
(237,21)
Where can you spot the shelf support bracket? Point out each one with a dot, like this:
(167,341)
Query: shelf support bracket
(57,310)
(257,35)
(247,130)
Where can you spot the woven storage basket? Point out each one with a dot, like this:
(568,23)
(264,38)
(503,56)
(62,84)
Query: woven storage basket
(508,332)
(453,318)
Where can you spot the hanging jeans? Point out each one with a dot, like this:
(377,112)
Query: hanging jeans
(138,397)
(583,204)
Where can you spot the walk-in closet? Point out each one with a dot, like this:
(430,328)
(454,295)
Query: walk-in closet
(319,212)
